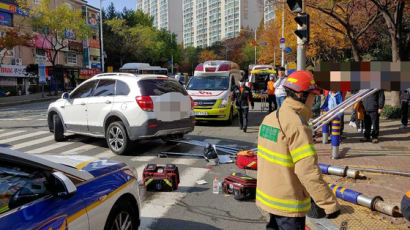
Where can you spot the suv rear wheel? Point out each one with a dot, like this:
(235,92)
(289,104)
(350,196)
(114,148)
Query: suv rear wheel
(58,128)
(116,137)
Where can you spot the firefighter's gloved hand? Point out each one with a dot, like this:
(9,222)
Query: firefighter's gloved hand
(333,215)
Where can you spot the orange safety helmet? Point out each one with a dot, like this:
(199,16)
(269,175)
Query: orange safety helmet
(301,81)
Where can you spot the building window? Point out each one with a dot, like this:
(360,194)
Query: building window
(40,52)
(71,58)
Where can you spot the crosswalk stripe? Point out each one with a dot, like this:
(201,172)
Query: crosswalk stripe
(33,142)
(162,202)
(11,133)
(105,154)
(80,149)
(11,139)
(51,147)
(185,161)
(143,158)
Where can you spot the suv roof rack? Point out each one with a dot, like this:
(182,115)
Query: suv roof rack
(114,74)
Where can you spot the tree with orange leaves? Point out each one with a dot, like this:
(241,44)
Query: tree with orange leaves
(13,38)
(206,55)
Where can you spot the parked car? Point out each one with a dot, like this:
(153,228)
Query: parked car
(123,107)
(66,192)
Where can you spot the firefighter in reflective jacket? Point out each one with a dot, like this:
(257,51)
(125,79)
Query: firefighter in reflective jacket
(288,171)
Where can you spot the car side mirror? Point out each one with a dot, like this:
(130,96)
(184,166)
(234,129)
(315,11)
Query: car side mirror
(65,96)
(68,186)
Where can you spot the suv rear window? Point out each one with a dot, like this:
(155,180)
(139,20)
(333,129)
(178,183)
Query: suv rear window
(157,87)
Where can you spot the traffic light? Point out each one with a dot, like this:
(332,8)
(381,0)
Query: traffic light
(303,33)
(295,6)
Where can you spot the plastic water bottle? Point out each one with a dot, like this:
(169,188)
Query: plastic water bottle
(215,186)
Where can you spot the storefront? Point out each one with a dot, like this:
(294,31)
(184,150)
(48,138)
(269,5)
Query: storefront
(14,78)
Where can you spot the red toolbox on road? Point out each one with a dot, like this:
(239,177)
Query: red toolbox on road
(242,186)
(160,178)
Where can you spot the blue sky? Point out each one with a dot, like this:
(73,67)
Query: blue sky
(119,4)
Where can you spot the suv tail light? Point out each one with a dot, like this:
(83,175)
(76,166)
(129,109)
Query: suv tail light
(145,102)
(192,102)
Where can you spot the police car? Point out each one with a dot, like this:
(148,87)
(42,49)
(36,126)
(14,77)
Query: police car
(66,192)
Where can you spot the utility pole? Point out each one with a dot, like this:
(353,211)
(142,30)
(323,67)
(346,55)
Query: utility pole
(101,37)
(283,33)
(255,45)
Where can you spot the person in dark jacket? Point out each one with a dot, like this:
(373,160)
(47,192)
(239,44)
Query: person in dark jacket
(316,106)
(405,102)
(243,96)
(373,106)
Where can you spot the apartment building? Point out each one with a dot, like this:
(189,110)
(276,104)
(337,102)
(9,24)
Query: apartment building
(77,61)
(167,14)
(208,21)
(269,11)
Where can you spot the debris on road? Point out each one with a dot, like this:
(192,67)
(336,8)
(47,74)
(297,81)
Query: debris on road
(201,182)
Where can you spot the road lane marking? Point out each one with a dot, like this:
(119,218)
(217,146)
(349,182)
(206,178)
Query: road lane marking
(80,149)
(11,133)
(143,158)
(11,139)
(105,154)
(54,146)
(33,142)
(160,203)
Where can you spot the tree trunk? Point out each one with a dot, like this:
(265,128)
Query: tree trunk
(355,51)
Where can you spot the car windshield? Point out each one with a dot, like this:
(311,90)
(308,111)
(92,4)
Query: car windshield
(209,83)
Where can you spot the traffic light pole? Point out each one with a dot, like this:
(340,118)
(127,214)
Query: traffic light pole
(301,52)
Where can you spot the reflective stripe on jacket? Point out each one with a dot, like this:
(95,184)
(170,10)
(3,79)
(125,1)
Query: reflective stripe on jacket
(288,171)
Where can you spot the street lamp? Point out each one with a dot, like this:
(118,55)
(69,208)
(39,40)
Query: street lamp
(101,37)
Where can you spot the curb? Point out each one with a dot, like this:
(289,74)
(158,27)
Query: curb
(7,104)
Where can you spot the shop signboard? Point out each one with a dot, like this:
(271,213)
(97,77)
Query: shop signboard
(87,73)
(13,71)
(75,46)
(6,19)
(96,65)
(12,9)
(95,52)
(86,57)
(94,43)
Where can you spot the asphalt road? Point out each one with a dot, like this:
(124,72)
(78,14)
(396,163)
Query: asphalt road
(192,206)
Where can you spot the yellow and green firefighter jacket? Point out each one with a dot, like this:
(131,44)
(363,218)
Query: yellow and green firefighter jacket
(288,171)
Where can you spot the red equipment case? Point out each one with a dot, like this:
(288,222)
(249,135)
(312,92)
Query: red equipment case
(160,178)
(247,159)
(241,185)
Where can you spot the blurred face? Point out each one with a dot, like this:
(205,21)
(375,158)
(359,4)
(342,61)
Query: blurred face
(281,73)
(310,100)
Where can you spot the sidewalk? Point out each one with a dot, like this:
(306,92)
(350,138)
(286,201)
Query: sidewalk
(25,99)
(393,153)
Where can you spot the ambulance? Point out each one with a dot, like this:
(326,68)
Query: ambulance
(211,88)
(258,76)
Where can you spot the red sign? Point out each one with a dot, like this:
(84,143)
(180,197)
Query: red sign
(94,43)
(88,73)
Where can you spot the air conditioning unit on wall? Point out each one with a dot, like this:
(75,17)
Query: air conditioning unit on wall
(18,61)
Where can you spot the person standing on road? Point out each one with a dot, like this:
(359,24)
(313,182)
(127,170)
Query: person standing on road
(288,171)
(243,96)
(373,107)
(271,94)
(405,102)
(279,90)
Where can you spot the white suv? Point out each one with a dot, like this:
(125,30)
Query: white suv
(123,107)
